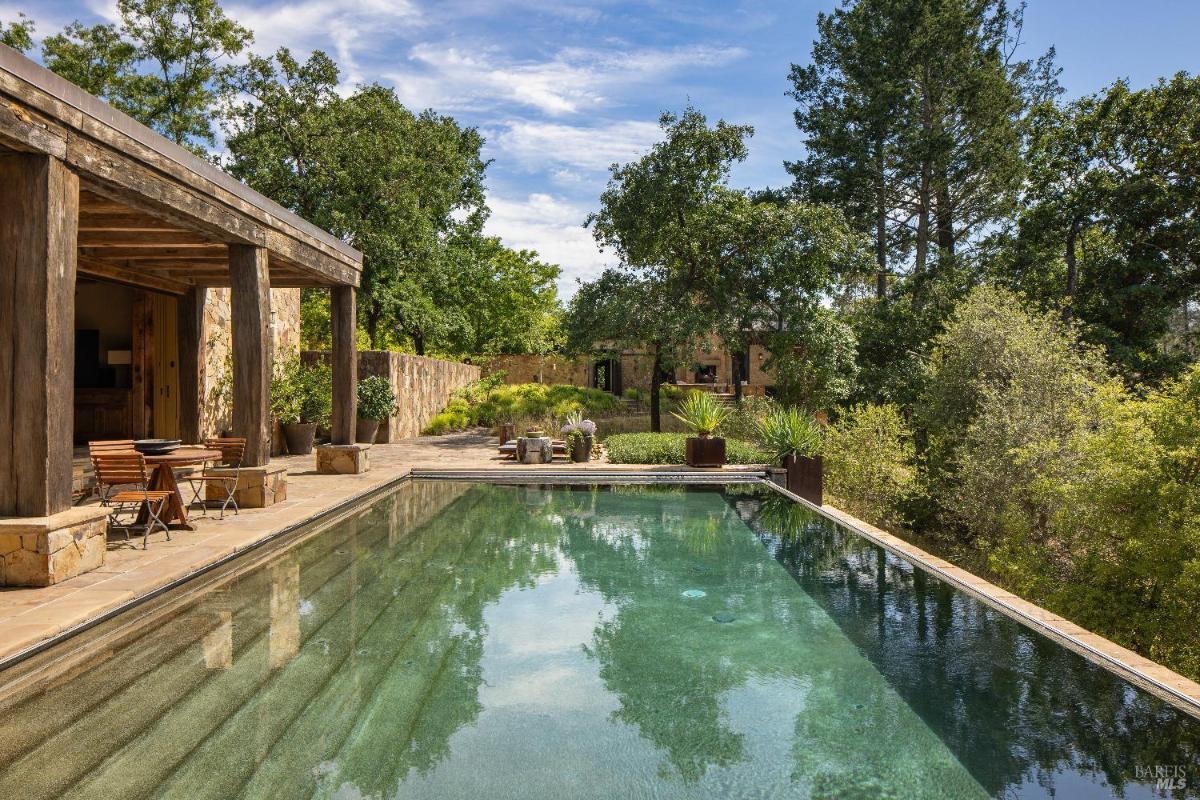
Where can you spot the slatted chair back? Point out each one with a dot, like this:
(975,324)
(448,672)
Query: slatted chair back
(119,468)
(111,446)
(232,449)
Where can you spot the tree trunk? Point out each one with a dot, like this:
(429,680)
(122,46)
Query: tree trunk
(419,343)
(945,219)
(880,223)
(1072,269)
(737,377)
(655,386)
(374,312)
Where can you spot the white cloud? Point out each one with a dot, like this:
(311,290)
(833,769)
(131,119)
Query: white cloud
(574,80)
(554,228)
(311,24)
(536,145)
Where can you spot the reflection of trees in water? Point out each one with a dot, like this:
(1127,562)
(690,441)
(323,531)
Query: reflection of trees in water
(668,687)
(1014,706)
(431,687)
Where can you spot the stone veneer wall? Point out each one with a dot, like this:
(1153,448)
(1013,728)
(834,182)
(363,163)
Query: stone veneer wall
(539,369)
(216,388)
(422,385)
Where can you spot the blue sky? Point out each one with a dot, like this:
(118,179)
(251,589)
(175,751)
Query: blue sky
(562,89)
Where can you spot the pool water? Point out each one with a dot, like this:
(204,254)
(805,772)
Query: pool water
(458,640)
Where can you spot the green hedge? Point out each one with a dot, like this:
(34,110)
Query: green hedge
(669,448)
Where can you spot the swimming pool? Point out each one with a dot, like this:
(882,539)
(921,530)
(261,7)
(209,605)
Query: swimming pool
(482,640)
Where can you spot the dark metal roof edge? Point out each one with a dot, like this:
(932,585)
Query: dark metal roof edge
(63,90)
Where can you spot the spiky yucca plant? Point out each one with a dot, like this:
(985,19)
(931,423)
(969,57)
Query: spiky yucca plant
(790,432)
(701,413)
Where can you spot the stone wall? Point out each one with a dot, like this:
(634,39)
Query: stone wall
(539,369)
(422,385)
(217,387)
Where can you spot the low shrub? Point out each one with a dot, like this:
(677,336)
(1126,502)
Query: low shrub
(868,459)
(670,448)
(486,402)
(744,420)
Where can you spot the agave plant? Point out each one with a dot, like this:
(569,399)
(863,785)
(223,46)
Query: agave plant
(701,413)
(790,432)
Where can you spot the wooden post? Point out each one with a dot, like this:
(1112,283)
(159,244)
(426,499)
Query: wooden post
(250,304)
(191,363)
(345,364)
(39,222)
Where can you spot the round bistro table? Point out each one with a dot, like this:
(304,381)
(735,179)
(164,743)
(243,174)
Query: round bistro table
(163,479)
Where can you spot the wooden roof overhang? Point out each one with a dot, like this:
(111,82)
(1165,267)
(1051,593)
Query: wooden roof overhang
(152,214)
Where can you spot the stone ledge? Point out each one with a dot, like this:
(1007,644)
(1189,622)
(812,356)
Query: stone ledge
(257,487)
(343,459)
(41,551)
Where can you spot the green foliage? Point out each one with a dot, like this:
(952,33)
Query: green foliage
(869,463)
(1107,232)
(166,64)
(701,413)
(812,360)
(790,432)
(376,400)
(302,393)
(1000,379)
(746,417)
(18,34)
(636,394)
(671,448)
(488,403)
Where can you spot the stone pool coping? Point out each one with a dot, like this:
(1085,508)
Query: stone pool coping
(1179,691)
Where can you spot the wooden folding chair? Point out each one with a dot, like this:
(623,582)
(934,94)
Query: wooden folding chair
(104,446)
(232,448)
(115,469)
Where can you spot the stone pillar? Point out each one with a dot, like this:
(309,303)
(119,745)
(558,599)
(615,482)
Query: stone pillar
(39,221)
(191,363)
(345,364)
(250,307)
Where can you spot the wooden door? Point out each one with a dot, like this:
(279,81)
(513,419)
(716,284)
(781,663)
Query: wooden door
(164,311)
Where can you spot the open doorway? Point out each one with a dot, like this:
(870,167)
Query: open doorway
(126,363)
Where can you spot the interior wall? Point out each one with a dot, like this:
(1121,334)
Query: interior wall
(107,308)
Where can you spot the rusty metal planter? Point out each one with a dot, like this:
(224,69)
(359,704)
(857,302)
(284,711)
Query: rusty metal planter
(705,452)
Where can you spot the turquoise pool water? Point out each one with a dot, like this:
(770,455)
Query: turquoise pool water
(509,641)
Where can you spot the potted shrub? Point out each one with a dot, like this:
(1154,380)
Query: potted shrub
(376,402)
(302,399)
(794,438)
(580,435)
(703,415)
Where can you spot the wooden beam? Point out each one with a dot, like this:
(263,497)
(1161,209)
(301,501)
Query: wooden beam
(97,268)
(191,363)
(141,238)
(250,304)
(345,364)
(212,252)
(39,207)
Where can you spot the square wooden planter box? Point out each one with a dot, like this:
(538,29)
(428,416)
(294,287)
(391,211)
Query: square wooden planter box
(705,452)
(806,477)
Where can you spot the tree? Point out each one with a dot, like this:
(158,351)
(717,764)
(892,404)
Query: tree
(166,65)
(19,34)
(507,299)
(911,110)
(1108,230)
(621,310)
(398,186)
(662,214)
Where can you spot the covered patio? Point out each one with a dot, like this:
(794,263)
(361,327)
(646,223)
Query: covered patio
(90,197)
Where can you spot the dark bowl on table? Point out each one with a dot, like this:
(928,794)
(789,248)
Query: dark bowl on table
(156,447)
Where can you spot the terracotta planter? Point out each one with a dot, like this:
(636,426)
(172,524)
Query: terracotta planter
(705,452)
(365,431)
(581,450)
(300,437)
(806,477)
